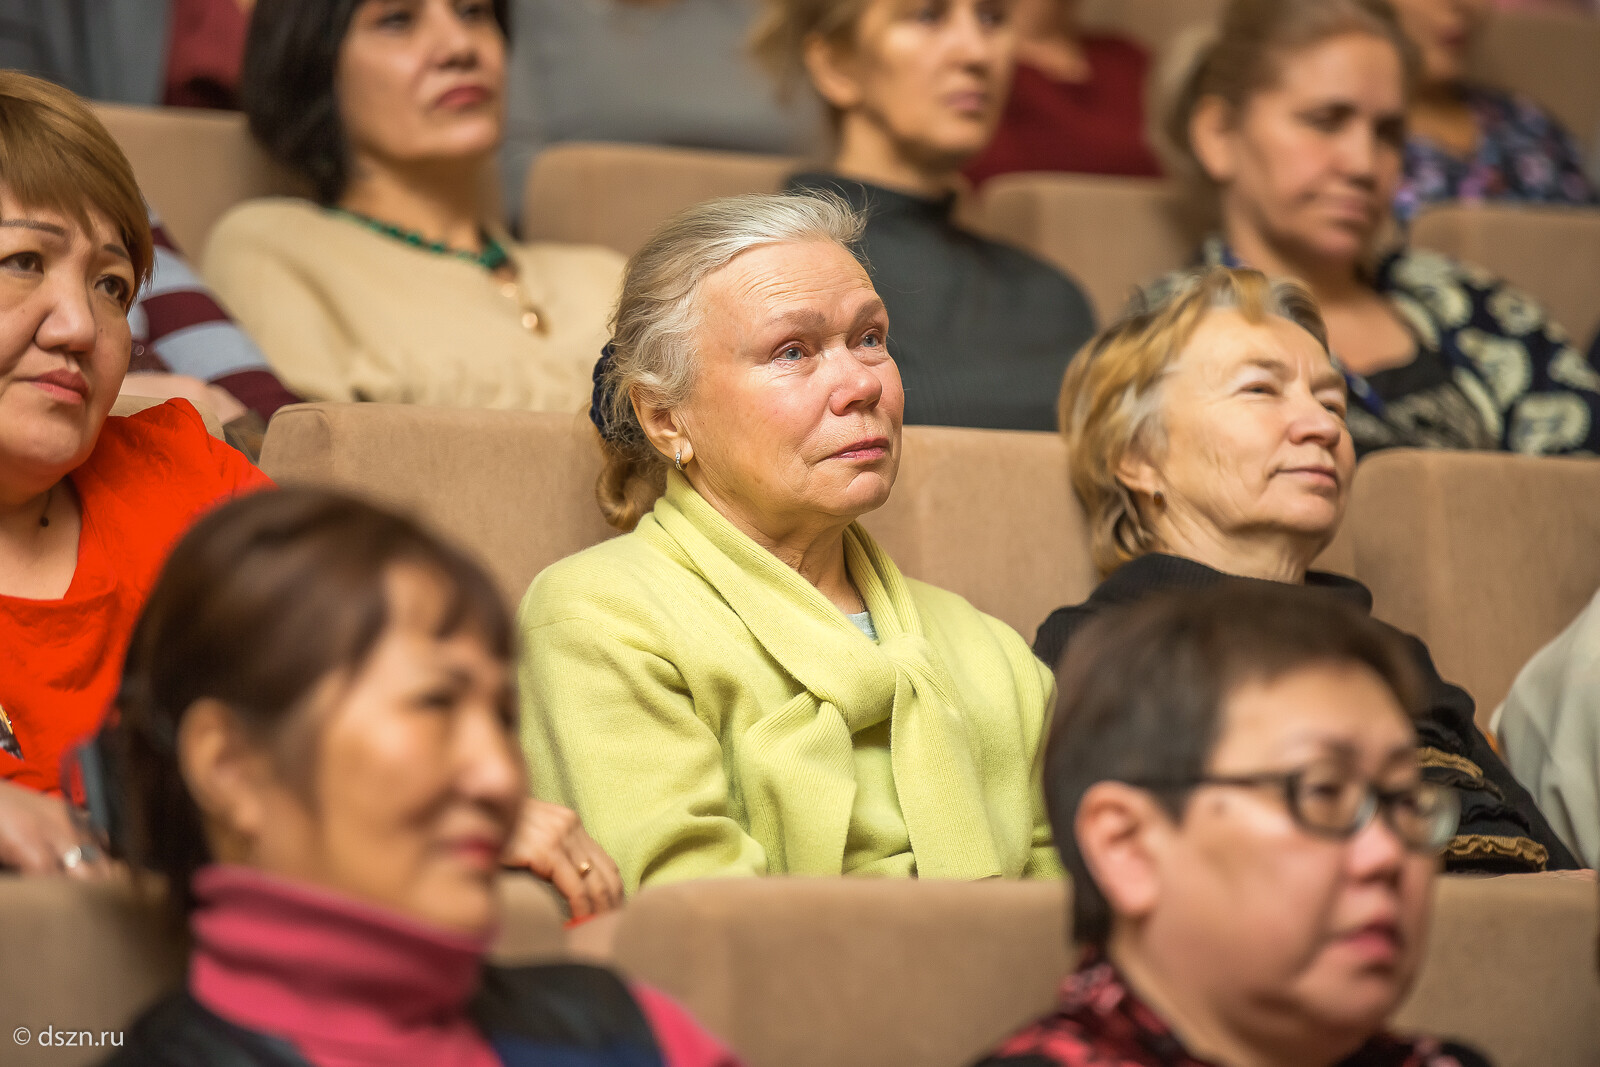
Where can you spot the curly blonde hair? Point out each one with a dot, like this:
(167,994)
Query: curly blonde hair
(1111,396)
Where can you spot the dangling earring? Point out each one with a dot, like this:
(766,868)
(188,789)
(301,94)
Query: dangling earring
(677,459)
(1160,499)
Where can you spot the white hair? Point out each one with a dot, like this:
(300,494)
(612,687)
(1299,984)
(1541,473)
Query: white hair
(653,329)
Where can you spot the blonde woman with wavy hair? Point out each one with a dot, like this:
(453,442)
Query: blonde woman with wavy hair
(745,683)
(1208,444)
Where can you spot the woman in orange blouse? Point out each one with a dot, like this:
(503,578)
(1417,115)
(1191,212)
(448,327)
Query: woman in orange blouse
(89,504)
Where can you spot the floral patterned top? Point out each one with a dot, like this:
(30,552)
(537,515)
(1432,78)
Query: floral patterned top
(1523,154)
(1492,370)
(1100,1022)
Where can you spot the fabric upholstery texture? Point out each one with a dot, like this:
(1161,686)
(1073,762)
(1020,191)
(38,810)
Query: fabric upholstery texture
(1517,243)
(193,165)
(1486,557)
(515,488)
(616,195)
(1110,234)
(930,974)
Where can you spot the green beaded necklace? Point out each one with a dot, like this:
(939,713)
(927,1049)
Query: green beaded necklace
(491,259)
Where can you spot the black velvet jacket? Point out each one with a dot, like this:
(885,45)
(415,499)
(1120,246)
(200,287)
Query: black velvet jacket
(981,331)
(1502,830)
(568,1014)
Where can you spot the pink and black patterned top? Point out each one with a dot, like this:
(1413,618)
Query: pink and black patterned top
(1523,155)
(1100,1022)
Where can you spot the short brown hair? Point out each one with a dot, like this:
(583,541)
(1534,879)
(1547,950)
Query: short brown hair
(265,598)
(55,154)
(1142,691)
(1243,56)
(1110,398)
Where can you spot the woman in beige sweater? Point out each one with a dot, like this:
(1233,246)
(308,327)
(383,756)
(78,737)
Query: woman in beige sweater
(395,284)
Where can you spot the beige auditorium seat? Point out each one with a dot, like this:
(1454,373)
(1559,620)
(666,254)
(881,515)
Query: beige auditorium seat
(1111,234)
(1553,59)
(989,514)
(1484,556)
(929,974)
(81,957)
(983,512)
(515,488)
(1551,253)
(617,194)
(193,165)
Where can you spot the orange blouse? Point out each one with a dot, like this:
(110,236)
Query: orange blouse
(149,477)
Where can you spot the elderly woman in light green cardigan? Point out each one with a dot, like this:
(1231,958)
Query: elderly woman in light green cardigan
(746,684)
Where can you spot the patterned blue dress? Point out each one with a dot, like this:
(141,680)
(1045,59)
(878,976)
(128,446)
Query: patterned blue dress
(1523,155)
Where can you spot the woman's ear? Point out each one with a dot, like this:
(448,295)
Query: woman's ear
(1137,472)
(663,427)
(1213,136)
(1122,833)
(832,72)
(227,776)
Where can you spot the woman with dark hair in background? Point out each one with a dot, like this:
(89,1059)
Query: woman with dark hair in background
(319,739)
(399,284)
(982,331)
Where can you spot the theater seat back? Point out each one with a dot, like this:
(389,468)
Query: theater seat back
(1110,234)
(989,514)
(1485,556)
(1551,253)
(797,972)
(192,166)
(1549,58)
(617,194)
(514,488)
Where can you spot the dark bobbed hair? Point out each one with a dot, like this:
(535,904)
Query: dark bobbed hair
(286,86)
(262,601)
(1142,692)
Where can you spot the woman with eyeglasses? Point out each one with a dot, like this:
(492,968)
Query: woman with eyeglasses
(1236,790)
(1207,440)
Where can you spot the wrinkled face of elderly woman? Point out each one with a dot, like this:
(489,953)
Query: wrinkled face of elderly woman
(1253,442)
(64,337)
(794,419)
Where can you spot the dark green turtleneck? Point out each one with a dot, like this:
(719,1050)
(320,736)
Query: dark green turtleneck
(982,331)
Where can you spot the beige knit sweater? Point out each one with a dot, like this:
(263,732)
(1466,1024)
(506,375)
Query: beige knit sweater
(344,313)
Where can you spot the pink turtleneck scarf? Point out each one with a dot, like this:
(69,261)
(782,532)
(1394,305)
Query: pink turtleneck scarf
(351,985)
(348,984)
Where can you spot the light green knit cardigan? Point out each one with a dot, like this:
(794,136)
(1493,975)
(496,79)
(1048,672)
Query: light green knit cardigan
(697,702)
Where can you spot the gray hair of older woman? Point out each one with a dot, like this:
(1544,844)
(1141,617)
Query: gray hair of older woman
(1241,57)
(651,357)
(1111,395)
